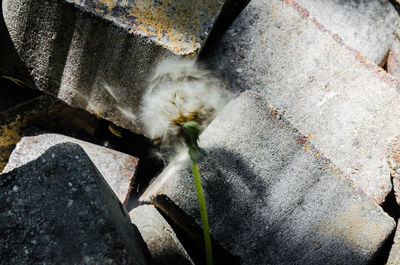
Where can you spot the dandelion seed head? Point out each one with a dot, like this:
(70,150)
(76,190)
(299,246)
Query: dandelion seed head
(180,92)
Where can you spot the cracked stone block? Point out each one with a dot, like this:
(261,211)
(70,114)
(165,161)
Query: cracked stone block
(347,107)
(117,168)
(58,209)
(272,197)
(368,26)
(98,55)
(394,256)
(46,113)
(161,240)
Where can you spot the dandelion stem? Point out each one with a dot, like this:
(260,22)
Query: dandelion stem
(203,213)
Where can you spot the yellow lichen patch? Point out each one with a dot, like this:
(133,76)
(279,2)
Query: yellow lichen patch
(111,4)
(180,25)
(355,227)
(10,134)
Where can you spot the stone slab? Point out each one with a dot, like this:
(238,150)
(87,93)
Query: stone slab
(117,168)
(161,240)
(346,106)
(394,256)
(367,26)
(99,55)
(272,198)
(58,209)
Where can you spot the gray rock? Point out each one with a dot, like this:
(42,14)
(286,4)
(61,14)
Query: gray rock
(272,198)
(98,55)
(394,256)
(117,168)
(161,240)
(58,209)
(366,25)
(393,61)
(347,107)
(393,158)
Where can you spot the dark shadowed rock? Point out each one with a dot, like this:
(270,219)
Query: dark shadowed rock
(161,240)
(347,107)
(99,55)
(117,168)
(272,198)
(366,25)
(58,209)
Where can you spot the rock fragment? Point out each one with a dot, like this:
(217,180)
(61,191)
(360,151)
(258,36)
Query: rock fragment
(117,168)
(161,240)
(347,107)
(99,55)
(394,256)
(272,198)
(58,209)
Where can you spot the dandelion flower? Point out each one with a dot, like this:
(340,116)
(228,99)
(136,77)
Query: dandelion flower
(180,93)
(181,101)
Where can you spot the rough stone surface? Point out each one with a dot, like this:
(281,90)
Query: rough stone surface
(368,26)
(10,63)
(117,168)
(393,157)
(99,55)
(161,240)
(347,107)
(44,112)
(394,256)
(393,61)
(58,209)
(272,198)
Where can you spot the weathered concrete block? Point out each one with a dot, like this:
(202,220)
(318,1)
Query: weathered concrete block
(161,240)
(98,55)
(368,26)
(117,168)
(346,106)
(394,256)
(272,198)
(58,209)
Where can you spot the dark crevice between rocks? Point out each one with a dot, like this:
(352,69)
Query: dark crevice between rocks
(392,208)
(149,166)
(229,12)
(190,234)
(383,254)
(396,5)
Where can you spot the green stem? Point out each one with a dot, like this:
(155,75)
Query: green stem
(203,213)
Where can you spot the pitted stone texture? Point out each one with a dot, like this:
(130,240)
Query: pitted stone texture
(393,61)
(393,157)
(272,198)
(58,209)
(346,106)
(99,55)
(161,240)
(394,256)
(117,168)
(366,25)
